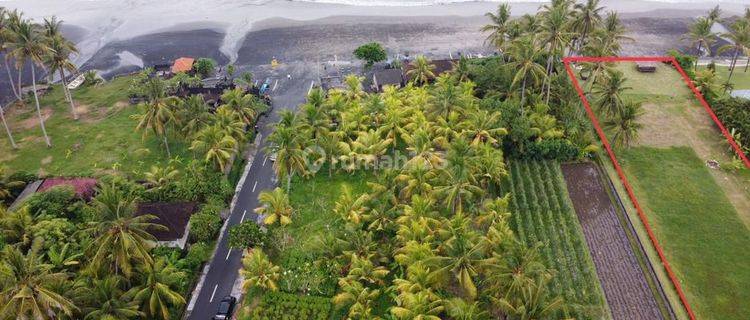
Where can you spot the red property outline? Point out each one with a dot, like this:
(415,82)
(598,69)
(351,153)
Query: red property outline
(567,61)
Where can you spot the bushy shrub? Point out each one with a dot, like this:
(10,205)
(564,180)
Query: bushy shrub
(280,305)
(734,113)
(247,235)
(204,67)
(203,185)
(58,201)
(204,226)
(370,53)
(304,274)
(197,254)
(687,62)
(55,231)
(555,149)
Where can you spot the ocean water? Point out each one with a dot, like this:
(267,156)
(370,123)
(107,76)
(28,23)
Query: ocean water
(411,3)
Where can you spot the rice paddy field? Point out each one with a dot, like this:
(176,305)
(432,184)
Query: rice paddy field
(542,212)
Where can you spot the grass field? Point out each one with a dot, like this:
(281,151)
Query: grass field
(542,212)
(703,237)
(103,138)
(740,78)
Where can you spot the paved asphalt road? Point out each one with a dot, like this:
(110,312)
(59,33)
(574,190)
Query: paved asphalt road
(224,268)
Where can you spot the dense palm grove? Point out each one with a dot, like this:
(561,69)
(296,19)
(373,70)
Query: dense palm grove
(431,238)
(64,257)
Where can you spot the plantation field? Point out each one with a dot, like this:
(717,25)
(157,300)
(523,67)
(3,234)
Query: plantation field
(104,137)
(542,212)
(699,229)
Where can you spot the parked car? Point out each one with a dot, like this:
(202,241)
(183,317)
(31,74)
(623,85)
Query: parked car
(226,308)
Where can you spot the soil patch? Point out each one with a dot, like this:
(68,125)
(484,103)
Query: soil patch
(623,281)
(32,122)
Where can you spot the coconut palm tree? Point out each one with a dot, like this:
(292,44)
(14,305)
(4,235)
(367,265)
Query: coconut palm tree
(706,82)
(58,58)
(259,272)
(27,287)
(457,180)
(7,128)
(158,115)
(105,301)
(555,34)
(247,106)
(159,177)
(608,93)
(353,85)
(217,145)
(7,184)
(460,257)
(498,27)
(421,70)
(740,38)
(357,297)
(586,19)
(700,34)
(714,15)
(275,207)
(120,237)
(524,54)
(156,294)
(534,302)
(460,309)
(230,121)
(29,45)
(9,21)
(420,305)
(624,127)
(287,145)
(193,114)
(613,33)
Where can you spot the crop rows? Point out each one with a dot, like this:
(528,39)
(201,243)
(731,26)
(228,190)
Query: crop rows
(543,213)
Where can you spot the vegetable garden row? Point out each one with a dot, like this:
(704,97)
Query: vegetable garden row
(543,214)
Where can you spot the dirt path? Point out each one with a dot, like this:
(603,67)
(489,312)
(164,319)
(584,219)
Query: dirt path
(686,124)
(624,282)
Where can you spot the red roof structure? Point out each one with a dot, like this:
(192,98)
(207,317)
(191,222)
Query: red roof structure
(183,65)
(84,187)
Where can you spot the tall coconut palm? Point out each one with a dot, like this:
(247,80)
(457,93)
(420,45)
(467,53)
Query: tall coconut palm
(193,114)
(58,59)
(120,237)
(275,207)
(420,305)
(608,93)
(498,26)
(217,146)
(460,255)
(8,22)
(740,38)
(158,115)
(259,272)
(460,309)
(714,14)
(7,184)
(586,19)
(287,144)
(27,287)
(624,127)
(353,85)
(706,82)
(612,33)
(525,53)
(7,128)
(28,45)
(247,106)
(554,35)
(156,294)
(421,70)
(700,34)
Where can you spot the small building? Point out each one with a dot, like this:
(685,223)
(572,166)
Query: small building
(438,67)
(183,64)
(646,67)
(175,216)
(387,77)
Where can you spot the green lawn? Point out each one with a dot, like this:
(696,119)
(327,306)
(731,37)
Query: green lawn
(664,85)
(542,212)
(740,78)
(103,138)
(704,240)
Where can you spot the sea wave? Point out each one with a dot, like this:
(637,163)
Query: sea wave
(414,3)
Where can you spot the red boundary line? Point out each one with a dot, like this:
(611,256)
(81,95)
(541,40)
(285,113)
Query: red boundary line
(620,172)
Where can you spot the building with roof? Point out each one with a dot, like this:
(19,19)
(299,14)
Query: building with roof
(175,216)
(183,64)
(438,67)
(387,77)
